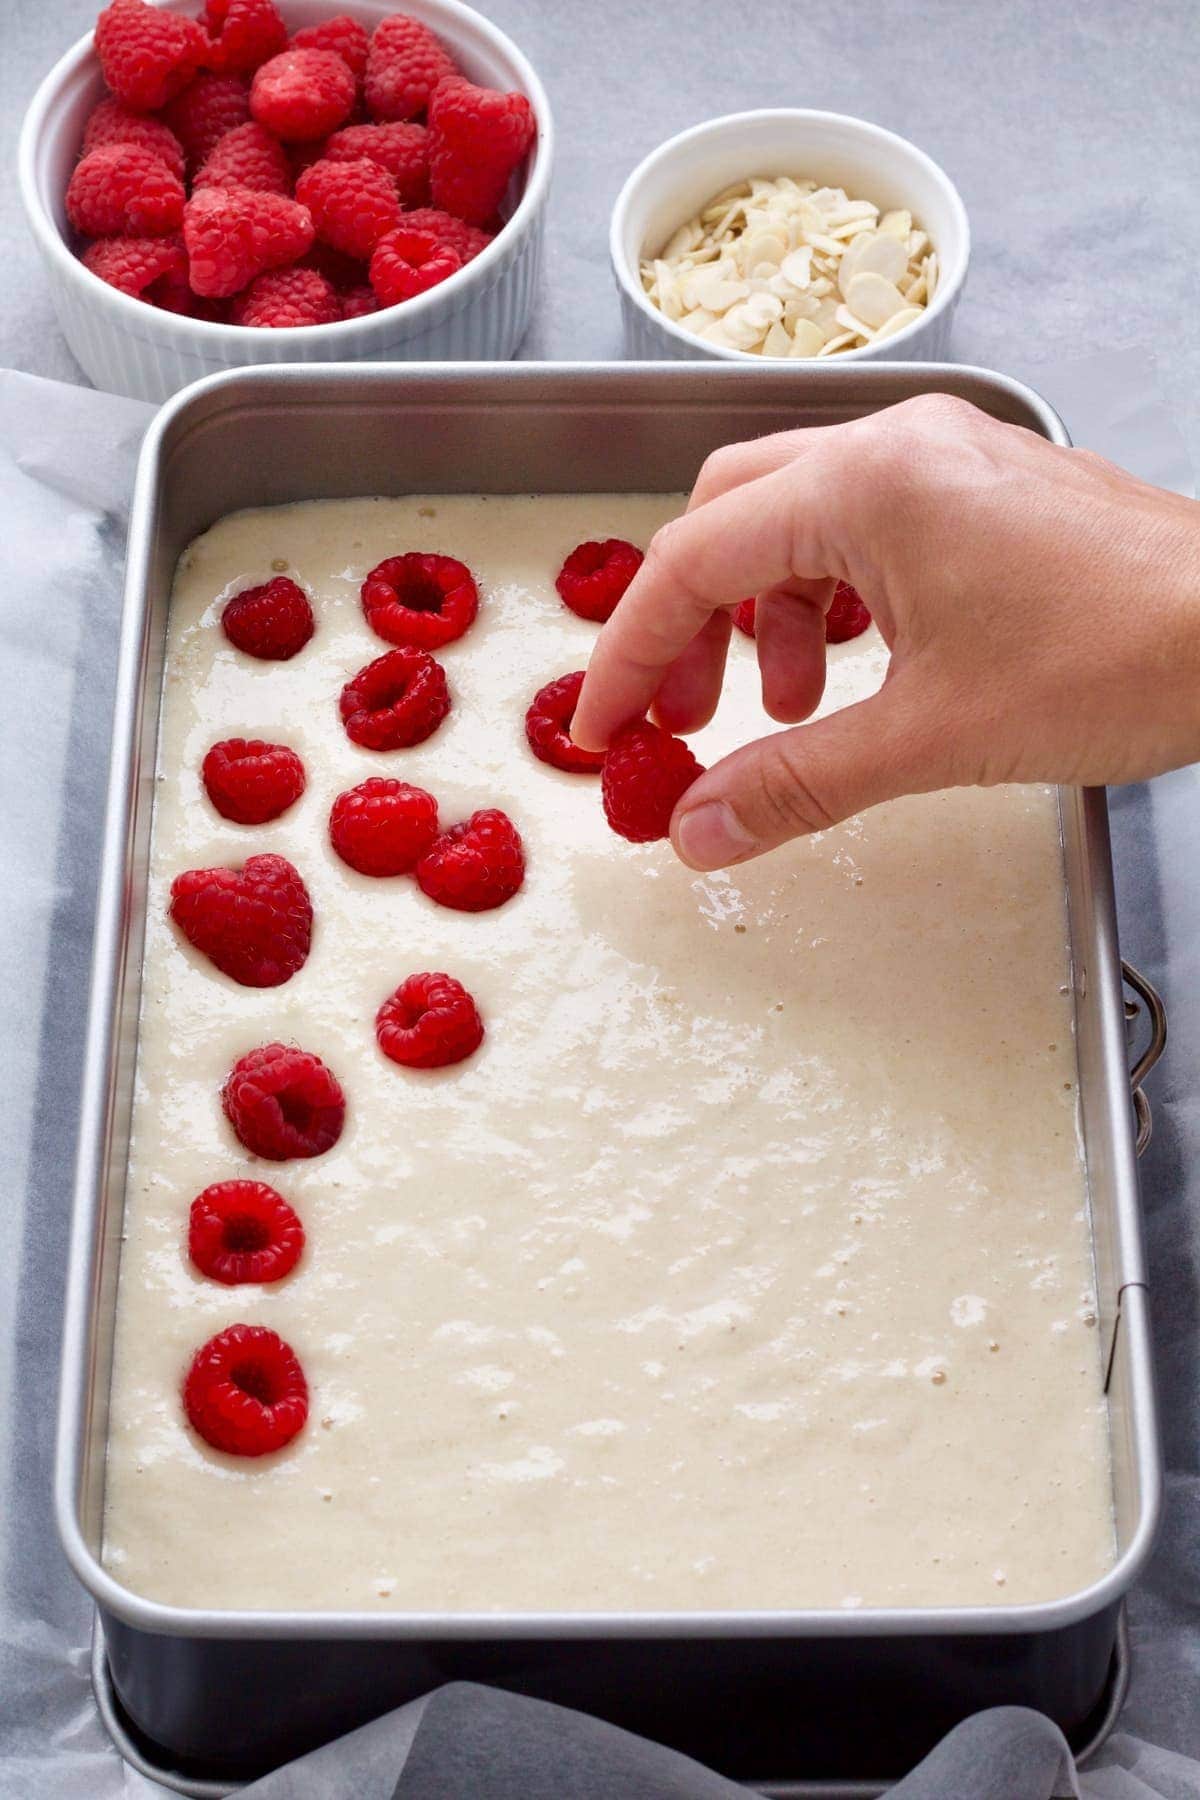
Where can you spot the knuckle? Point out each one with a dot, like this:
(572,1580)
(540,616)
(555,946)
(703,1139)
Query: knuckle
(788,802)
(720,469)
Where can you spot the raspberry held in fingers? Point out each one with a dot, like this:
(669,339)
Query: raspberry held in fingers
(245,1392)
(743,617)
(646,772)
(283,1103)
(398,700)
(243,1231)
(420,599)
(548,727)
(429,1022)
(250,781)
(595,576)
(847,617)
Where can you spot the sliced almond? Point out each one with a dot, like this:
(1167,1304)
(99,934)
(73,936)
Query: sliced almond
(796,266)
(873,297)
(851,322)
(837,343)
(777,341)
(896,224)
(807,340)
(898,321)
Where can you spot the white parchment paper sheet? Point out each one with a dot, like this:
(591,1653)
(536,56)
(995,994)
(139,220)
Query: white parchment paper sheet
(66,463)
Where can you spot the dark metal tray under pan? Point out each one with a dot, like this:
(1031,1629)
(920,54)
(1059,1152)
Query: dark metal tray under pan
(849,1695)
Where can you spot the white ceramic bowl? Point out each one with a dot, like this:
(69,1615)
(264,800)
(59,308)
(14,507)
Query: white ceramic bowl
(129,347)
(676,180)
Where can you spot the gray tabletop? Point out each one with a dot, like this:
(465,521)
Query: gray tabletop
(1071,132)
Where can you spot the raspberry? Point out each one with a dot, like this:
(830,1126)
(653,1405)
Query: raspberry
(466,240)
(399,699)
(400,149)
(477,137)
(595,576)
(248,157)
(250,781)
(339,270)
(240,1231)
(383,827)
(405,64)
(287,297)
(428,1022)
(146,53)
(114,123)
(234,234)
(205,111)
(645,772)
(406,263)
(475,865)
(148,267)
(420,599)
(357,302)
(254,923)
(547,726)
(346,37)
(271,622)
(283,1102)
(123,188)
(302,94)
(245,1392)
(243,34)
(353,204)
(743,616)
(848,617)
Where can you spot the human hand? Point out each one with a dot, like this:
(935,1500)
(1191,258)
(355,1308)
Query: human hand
(1042,609)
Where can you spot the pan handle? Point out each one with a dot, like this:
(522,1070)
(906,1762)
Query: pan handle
(1149,998)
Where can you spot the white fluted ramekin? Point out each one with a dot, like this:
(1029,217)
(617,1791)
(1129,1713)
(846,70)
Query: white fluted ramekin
(129,347)
(682,175)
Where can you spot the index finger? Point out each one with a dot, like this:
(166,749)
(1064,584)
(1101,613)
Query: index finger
(752,538)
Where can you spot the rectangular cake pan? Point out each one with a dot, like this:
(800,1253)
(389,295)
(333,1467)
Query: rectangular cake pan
(759,1695)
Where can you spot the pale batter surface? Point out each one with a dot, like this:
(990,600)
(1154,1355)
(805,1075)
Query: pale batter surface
(746,1265)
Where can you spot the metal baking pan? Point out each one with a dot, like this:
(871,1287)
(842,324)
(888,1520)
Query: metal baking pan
(843,1695)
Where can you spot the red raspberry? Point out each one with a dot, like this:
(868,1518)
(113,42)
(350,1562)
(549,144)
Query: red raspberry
(248,157)
(123,188)
(595,576)
(400,149)
(428,1022)
(357,302)
(406,263)
(146,267)
(254,923)
(405,64)
(113,123)
(848,617)
(475,865)
(383,827)
(477,137)
(250,781)
(283,1102)
(272,622)
(245,1392)
(243,34)
(147,54)
(346,37)
(547,726)
(302,94)
(645,772)
(466,240)
(205,111)
(242,1231)
(743,616)
(398,700)
(420,599)
(283,298)
(353,204)
(234,234)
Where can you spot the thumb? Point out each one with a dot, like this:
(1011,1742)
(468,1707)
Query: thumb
(791,783)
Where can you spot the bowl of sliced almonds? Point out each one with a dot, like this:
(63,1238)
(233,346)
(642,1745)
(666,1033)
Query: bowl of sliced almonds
(789,234)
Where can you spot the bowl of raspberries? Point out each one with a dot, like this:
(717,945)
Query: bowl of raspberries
(220,182)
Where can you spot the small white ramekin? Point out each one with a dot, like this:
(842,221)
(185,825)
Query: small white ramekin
(129,347)
(678,178)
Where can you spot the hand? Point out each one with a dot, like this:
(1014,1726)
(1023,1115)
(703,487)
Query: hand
(1042,609)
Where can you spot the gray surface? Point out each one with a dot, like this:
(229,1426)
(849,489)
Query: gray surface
(1072,135)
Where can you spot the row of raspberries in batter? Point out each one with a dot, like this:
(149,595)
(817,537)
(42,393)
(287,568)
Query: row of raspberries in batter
(243,175)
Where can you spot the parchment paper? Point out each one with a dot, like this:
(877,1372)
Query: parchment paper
(66,462)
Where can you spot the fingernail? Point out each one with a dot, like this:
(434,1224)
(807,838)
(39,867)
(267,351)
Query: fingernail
(711,835)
